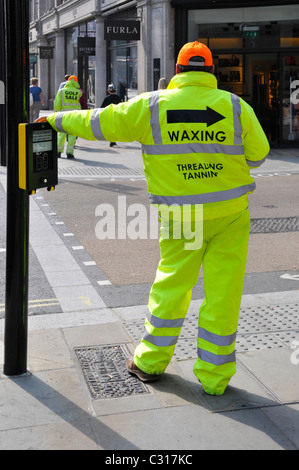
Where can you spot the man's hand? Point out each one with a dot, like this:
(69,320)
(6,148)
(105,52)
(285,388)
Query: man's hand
(41,119)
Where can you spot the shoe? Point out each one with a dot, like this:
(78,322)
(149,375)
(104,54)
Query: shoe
(69,155)
(59,155)
(112,144)
(143,376)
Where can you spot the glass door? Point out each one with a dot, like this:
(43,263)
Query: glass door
(123,69)
(290,98)
(262,77)
(255,78)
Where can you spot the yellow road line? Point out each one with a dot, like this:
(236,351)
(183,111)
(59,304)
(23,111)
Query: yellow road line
(42,300)
(44,305)
(37,303)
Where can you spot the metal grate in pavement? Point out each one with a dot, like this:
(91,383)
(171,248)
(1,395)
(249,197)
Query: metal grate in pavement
(259,327)
(104,370)
(274,225)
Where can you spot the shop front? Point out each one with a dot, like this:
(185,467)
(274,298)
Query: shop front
(80,57)
(256,54)
(122,35)
(123,68)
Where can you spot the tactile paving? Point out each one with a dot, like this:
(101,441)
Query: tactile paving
(262,327)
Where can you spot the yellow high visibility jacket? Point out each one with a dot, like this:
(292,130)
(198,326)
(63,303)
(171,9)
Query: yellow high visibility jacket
(198,142)
(68,97)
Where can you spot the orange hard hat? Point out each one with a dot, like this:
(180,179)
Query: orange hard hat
(73,78)
(200,53)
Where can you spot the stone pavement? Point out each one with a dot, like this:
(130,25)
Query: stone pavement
(78,396)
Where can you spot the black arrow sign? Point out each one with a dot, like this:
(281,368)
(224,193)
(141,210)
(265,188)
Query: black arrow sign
(208,116)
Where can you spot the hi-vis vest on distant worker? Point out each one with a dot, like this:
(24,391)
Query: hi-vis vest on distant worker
(197,148)
(68,97)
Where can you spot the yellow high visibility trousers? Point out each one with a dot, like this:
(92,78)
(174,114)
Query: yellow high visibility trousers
(223,255)
(71,142)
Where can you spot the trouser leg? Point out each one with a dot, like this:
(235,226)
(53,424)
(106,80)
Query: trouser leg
(224,264)
(60,142)
(36,110)
(169,300)
(71,144)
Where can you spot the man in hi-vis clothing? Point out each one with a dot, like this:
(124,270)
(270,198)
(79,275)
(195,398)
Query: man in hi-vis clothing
(67,99)
(198,145)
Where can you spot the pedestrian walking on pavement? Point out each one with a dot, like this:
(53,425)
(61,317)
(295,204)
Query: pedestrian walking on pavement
(162,83)
(37,99)
(199,144)
(68,98)
(83,101)
(62,84)
(111,98)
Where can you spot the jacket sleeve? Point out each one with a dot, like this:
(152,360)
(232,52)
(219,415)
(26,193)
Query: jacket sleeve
(57,102)
(126,122)
(256,144)
(77,123)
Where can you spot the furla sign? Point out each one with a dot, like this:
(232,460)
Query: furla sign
(122,29)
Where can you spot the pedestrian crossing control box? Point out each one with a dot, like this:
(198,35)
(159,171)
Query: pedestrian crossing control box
(38,166)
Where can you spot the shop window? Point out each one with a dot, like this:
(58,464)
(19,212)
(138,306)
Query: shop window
(83,67)
(289,35)
(229,70)
(247,28)
(123,68)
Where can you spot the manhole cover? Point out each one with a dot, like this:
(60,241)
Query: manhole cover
(104,370)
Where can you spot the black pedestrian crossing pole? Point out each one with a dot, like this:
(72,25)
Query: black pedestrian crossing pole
(16,40)
(2,87)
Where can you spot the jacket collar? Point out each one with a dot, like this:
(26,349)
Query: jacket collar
(193,79)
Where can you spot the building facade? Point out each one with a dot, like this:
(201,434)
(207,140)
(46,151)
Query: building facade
(255,46)
(133,43)
(128,43)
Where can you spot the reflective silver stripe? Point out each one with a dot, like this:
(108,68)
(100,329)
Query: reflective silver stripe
(255,164)
(58,122)
(203,198)
(162,341)
(154,121)
(192,148)
(216,339)
(236,115)
(160,323)
(215,359)
(95,124)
